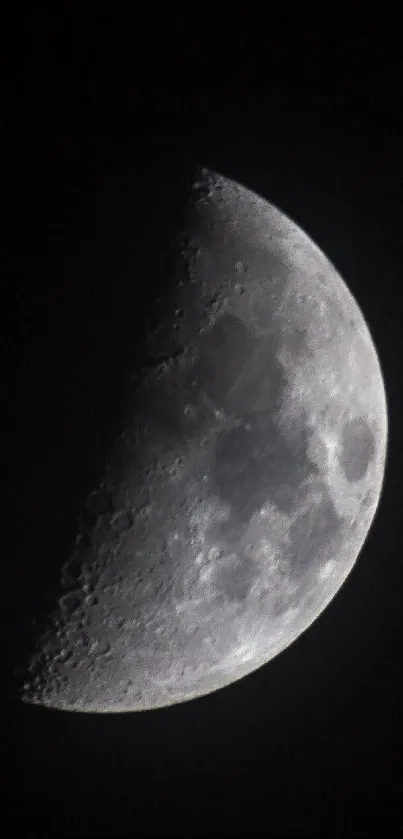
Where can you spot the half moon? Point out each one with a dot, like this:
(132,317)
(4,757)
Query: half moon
(244,482)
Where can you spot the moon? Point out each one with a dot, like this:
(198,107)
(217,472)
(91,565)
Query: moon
(242,486)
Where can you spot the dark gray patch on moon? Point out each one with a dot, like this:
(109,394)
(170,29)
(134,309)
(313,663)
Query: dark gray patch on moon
(236,368)
(313,531)
(358,449)
(232,367)
(258,462)
(234,579)
(224,352)
(296,341)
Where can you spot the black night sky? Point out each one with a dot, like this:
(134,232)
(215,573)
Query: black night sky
(102,119)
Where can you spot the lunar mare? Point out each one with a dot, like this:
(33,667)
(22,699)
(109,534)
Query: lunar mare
(242,487)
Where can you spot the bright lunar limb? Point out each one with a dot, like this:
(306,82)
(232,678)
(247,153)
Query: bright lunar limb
(245,479)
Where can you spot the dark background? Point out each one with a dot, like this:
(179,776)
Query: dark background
(102,119)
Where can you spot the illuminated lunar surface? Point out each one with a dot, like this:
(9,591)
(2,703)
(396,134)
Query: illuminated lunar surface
(242,487)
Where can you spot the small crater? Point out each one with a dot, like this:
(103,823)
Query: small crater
(357,449)
(121,521)
(100,647)
(71,572)
(69,603)
(91,600)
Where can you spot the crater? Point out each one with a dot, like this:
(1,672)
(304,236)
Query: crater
(357,449)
